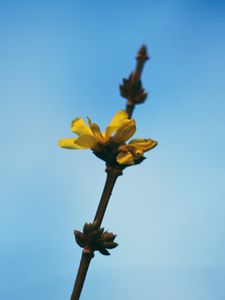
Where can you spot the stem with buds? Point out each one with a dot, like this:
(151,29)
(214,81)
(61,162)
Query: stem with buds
(93,238)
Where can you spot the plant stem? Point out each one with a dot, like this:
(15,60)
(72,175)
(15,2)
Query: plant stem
(141,58)
(87,255)
(130,108)
(112,175)
(81,275)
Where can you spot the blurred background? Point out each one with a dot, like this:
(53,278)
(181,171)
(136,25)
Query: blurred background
(65,59)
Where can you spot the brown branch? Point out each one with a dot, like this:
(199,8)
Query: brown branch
(132,89)
(141,58)
(134,93)
(81,275)
(112,174)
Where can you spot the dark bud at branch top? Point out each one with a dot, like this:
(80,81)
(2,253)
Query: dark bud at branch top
(132,89)
(142,54)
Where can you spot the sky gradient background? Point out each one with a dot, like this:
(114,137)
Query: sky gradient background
(64,59)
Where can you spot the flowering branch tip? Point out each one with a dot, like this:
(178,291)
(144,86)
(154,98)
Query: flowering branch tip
(115,148)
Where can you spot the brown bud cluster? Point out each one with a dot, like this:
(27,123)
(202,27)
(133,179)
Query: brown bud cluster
(94,238)
(132,90)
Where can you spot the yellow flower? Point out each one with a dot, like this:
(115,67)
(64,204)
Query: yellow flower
(110,144)
(133,152)
(119,130)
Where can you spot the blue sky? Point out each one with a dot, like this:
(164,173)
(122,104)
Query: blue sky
(63,59)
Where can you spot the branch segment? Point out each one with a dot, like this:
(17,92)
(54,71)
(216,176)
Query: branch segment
(132,89)
(94,238)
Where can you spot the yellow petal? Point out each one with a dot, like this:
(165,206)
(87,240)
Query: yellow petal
(120,116)
(116,122)
(79,127)
(125,158)
(124,132)
(86,142)
(69,143)
(109,131)
(96,131)
(142,144)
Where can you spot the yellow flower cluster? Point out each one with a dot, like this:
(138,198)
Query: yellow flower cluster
(112,140)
